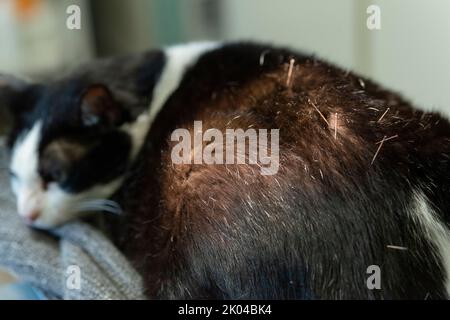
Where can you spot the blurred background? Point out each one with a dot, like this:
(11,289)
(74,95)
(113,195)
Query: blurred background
(410,53)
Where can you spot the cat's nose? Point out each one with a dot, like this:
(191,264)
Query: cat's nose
(31,216)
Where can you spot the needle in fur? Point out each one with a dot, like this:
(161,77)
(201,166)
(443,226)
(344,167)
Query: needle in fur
(382,116)
(396,247)
(335,126)
(262,57)
(320,113)
(378,150)
(387,139)
(289,77)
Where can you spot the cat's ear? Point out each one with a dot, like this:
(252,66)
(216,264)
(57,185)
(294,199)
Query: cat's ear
(11,82)
(98,107)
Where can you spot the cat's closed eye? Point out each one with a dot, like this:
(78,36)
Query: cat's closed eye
(54,166)
(51,175)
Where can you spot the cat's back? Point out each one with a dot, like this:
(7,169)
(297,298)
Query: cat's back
(354,160)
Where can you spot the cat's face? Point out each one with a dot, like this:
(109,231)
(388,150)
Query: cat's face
(68,150)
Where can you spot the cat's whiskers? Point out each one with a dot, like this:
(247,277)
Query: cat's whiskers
(97,208)
(98,205)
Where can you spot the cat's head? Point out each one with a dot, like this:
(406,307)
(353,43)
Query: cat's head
(69,148)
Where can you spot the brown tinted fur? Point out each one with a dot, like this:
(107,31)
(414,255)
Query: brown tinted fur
(192,207)
(308,142)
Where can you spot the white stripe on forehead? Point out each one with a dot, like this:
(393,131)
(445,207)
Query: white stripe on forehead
(25,157)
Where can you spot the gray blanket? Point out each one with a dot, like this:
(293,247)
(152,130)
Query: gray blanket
(75,262)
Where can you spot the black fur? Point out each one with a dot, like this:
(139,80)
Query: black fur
(311,230)
(59,106)
(301,236)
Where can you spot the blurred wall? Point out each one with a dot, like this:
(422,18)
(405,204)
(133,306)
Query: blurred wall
(35,39)
(320,26)
(409,54)
(136,25)
(122,26)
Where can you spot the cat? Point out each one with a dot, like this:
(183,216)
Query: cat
(363,179)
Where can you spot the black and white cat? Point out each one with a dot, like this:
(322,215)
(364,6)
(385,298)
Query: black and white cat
(363,177)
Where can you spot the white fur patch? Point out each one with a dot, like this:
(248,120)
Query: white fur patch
(178,59)
(24,165)
(55,205)
(435,230)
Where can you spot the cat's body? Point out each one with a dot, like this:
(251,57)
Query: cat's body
(362,181)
